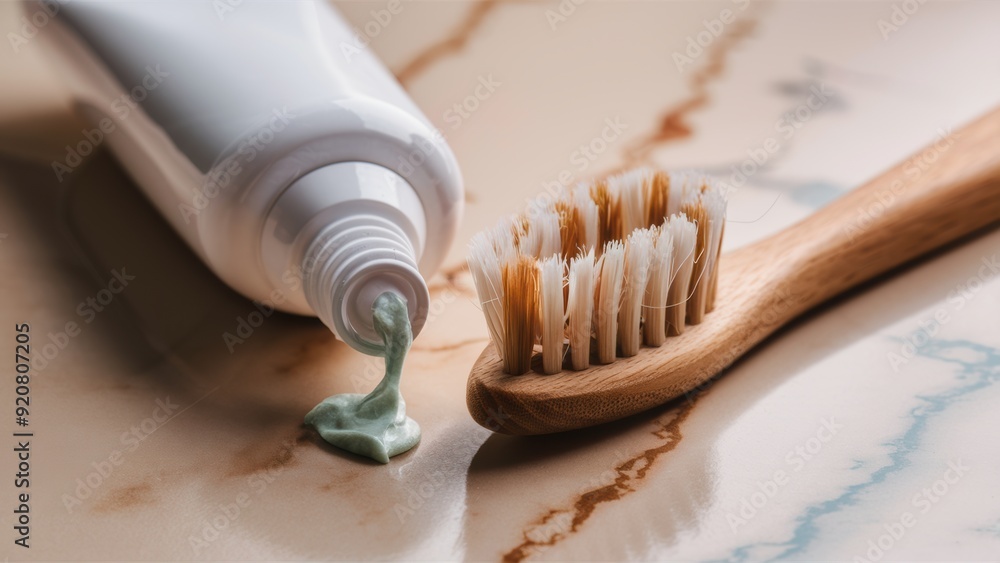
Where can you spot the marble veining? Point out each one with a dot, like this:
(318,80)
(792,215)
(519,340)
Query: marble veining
(673,125)
(657,486)
(976,366)
(453,43)
(559,523)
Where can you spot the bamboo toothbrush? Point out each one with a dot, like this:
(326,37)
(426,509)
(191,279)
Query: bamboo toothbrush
(611,298)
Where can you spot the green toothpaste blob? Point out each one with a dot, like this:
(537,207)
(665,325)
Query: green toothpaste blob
(374,425)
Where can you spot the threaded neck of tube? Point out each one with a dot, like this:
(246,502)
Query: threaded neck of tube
(349,264)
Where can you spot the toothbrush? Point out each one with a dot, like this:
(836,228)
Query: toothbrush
(906,212)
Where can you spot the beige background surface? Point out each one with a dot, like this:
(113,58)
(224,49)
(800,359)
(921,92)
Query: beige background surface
(229,475)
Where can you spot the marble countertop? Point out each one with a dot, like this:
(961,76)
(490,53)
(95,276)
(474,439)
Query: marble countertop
(868,429)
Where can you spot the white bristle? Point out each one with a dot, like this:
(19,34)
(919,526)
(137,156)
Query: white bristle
(683,233)
(502,237)
(588,215)
(550,312)
(580,308)
(529,240)
(638,249)
(631,187)
(607,293)
(488,279)
(657,288)
(680,191)
(546,225)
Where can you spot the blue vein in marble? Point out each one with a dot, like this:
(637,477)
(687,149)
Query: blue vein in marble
(993,529)
(972,375)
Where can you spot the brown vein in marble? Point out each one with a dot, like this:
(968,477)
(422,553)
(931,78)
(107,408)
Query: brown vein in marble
(451,44)
(559,523)
(254,459)
(450,276)
(124,498)
(313,351)
(674,123)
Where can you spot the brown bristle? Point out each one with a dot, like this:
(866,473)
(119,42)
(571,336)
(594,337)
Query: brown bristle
(609,209)
(520,282)
(656,198)
(570,229)
(696,302)
(519,228)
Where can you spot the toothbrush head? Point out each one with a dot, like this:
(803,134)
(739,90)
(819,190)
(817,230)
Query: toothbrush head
(594,273)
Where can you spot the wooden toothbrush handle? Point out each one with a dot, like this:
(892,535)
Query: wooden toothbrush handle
(938,195)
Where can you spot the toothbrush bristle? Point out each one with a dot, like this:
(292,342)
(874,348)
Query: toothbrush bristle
(570,235)
(695,209)
(609,214)
(683,233)
(601,269)
(638,251)
(607,296)
(589,217)
(551,313)
(520,307)
(547,225)
(654,302)
(580,308)
(657,194)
